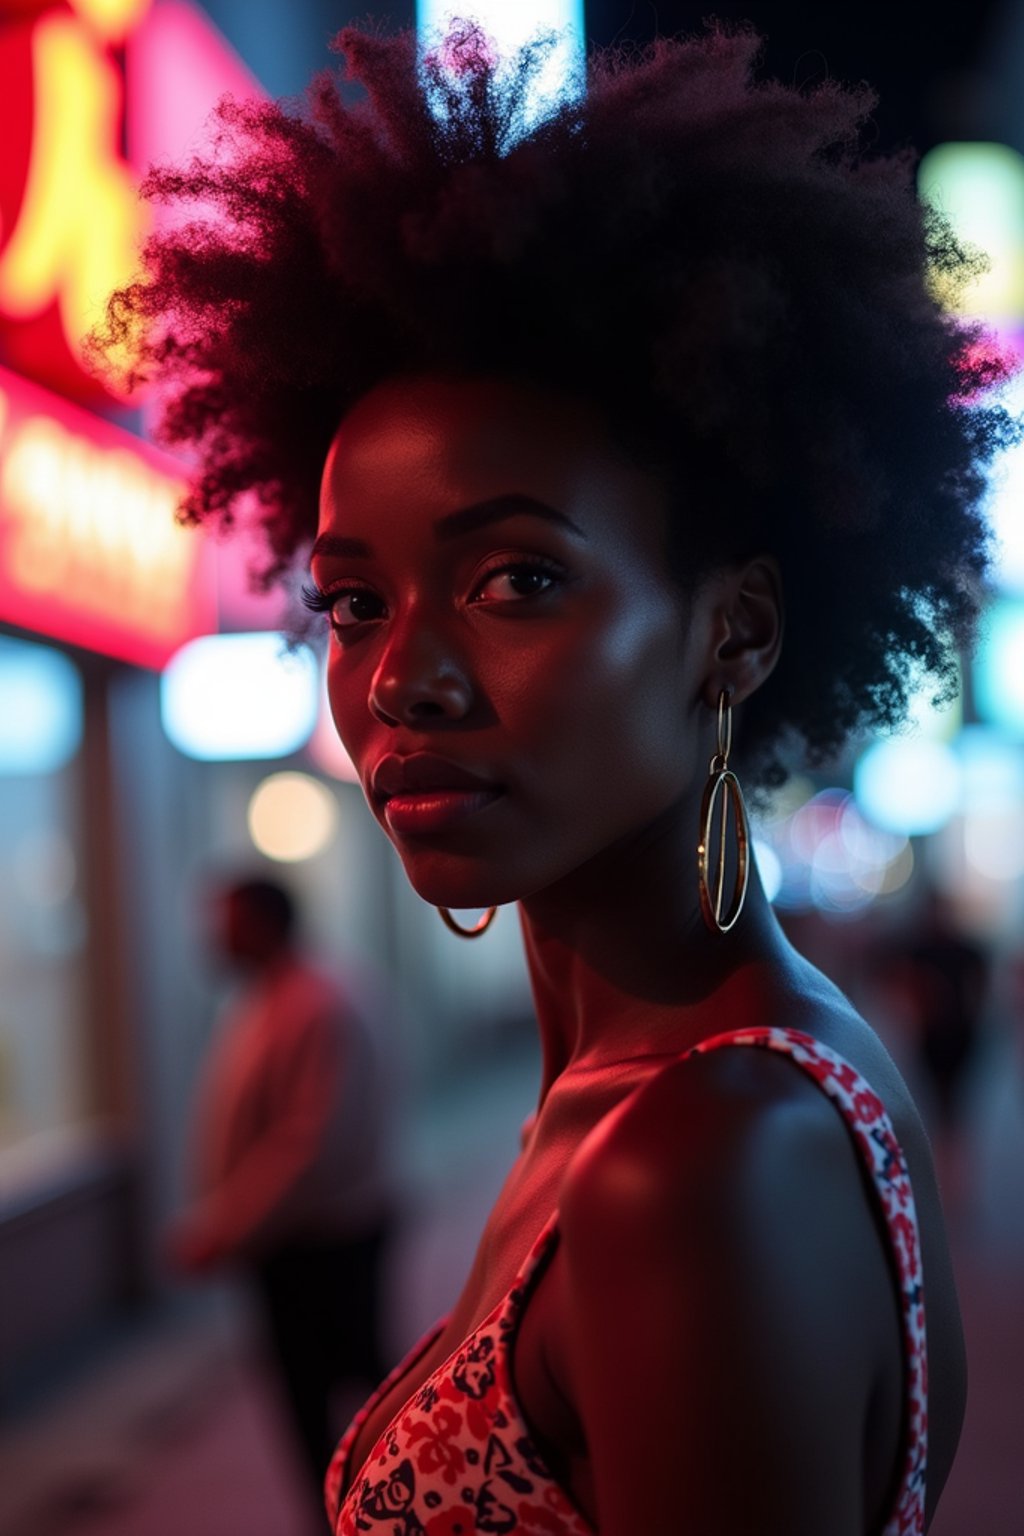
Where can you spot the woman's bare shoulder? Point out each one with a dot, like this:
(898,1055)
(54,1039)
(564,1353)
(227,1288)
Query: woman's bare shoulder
(737,1157)
(724,1198)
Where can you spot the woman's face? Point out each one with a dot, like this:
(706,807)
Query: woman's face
(513,668)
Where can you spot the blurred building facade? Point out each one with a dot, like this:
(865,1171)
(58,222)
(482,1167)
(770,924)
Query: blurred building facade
(107,829)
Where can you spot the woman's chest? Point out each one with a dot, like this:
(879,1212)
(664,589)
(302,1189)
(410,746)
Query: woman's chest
(488,1305)
(522,1212)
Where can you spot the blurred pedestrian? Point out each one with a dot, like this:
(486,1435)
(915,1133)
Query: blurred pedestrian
(289,1160)
(936,980)
(947,974)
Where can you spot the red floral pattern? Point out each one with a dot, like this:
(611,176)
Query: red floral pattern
(457,1459)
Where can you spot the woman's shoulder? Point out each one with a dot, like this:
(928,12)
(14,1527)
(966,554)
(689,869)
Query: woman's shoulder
(724,1120)
(720,1094)
(725,1197)
(732,1158)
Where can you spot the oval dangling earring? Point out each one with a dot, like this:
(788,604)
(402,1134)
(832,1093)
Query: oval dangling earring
(722,784)
(478,928)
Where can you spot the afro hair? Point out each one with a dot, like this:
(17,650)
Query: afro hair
(706,256)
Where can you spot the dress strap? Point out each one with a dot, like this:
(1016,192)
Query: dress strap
(884,1159)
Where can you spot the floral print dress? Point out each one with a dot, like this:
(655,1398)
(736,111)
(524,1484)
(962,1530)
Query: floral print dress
(458,1459)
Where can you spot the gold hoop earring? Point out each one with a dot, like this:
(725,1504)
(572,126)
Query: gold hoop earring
(478,928)
(722,783)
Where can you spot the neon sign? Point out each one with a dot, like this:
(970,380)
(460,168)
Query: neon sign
(70,217)
(89,548)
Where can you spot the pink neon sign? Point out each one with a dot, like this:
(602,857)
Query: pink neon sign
(90,551)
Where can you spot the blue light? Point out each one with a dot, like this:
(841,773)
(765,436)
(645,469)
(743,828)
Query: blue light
(509,26)
(40,708)
(992,768)
(999,667)
(1006,498)
(769,867)
(239,696)
(907,785)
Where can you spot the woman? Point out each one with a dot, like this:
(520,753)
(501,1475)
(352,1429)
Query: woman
(590,406)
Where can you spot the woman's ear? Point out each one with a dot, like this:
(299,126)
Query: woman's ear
(748,629)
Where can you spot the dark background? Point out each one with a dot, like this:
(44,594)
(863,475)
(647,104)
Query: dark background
(942,71)
(932,66)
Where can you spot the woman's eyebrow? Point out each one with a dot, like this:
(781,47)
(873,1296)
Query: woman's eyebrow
(345,549)
(494,510)
(466,520)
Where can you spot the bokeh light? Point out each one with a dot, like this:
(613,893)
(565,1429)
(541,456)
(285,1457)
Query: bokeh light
(991,769)
(823,854)
(937,723)
(769,867)
(1005,506)
(999,666)
(291,817)
(992,802)
(40,708)
(980,188)
(907,785)
(239,696)
(509,27)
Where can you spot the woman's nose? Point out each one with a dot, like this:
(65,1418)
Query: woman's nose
(419,679)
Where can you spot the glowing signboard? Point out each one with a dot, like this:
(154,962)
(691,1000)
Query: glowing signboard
(70,218)
(89,548)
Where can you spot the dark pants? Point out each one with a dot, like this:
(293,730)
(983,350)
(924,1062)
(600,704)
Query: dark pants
(321,1304)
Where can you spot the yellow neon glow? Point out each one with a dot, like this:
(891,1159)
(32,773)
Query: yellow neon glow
(95,527)
(980,189)
(111,19)
(80,223)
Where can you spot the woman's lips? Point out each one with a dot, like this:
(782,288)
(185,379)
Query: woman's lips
(434,810)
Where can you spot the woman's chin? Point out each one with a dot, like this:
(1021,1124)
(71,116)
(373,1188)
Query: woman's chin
(459,894)
(458,899)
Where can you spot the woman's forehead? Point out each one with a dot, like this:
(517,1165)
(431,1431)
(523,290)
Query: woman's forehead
(439,414)
(458,441)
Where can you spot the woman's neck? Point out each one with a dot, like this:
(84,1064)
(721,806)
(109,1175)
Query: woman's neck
(621,962)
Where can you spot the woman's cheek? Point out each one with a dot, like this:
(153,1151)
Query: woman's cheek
(348,697)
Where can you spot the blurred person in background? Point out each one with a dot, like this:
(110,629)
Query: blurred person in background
(935,981)
(290,1159)
(622,424)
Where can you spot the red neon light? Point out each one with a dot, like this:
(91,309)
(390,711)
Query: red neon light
(177,68)
(89,549)
(70,218)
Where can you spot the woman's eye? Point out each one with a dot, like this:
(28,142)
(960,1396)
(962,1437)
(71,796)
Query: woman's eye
(513,582)
(345,607)
(354,607)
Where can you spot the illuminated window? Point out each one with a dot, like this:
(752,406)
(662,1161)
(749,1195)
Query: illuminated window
(45,1089)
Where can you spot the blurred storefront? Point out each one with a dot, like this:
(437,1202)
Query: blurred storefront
(114,809)
(97,584)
